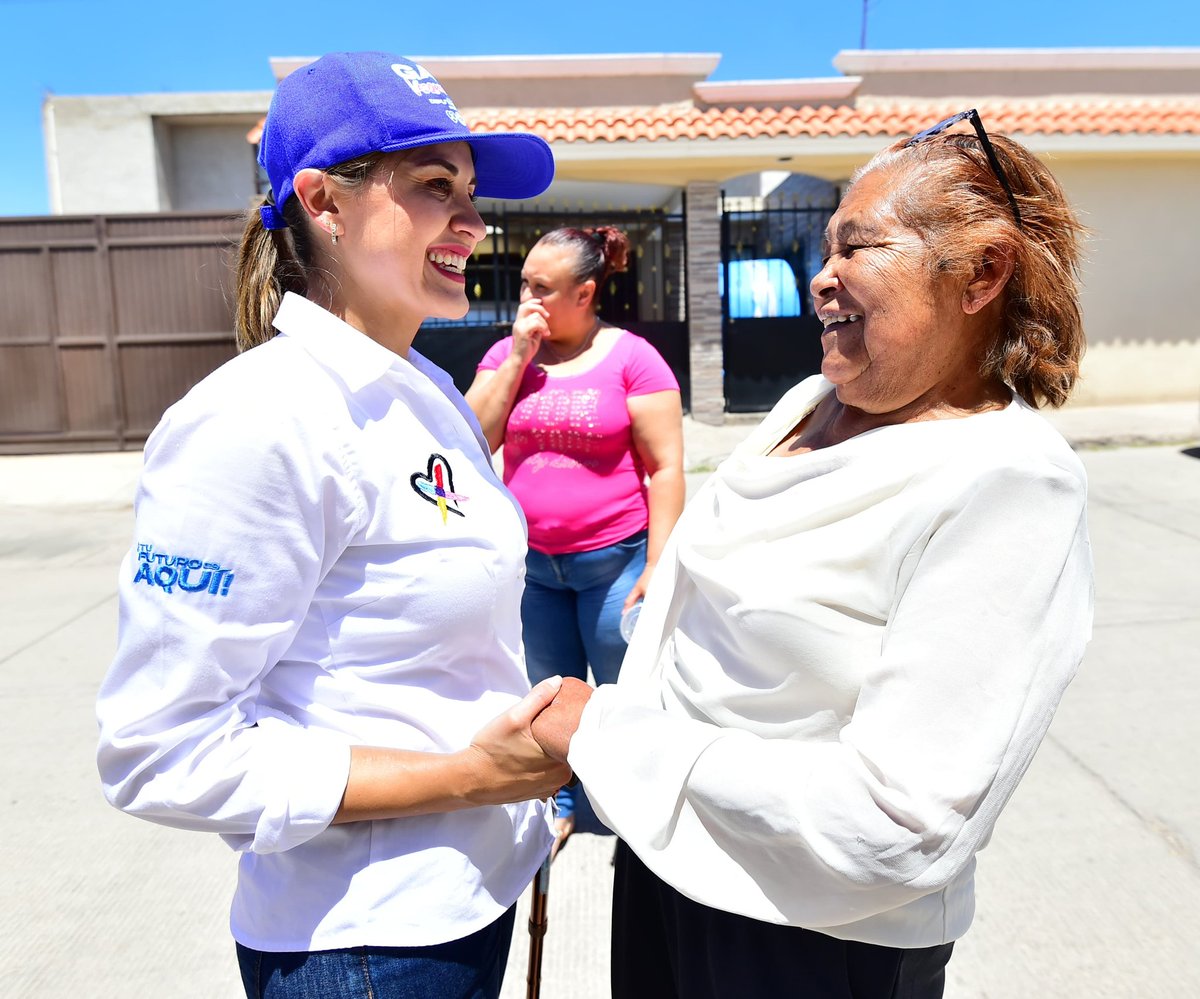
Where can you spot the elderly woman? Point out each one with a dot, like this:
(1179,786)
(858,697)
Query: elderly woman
(862,625)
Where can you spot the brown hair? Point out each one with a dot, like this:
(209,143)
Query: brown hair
(272,262)
(949,194)
(600,252)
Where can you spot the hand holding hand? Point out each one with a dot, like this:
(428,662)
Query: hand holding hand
(555,725)
(510,763)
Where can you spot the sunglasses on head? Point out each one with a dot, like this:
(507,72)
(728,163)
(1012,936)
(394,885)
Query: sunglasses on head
(973,117)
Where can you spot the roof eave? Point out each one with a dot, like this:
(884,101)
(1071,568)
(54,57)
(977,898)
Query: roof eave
(816,90)
(690,65)
(866,61)
(862,147)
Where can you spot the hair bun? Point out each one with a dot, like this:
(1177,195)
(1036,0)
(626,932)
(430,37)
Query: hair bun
(615,247)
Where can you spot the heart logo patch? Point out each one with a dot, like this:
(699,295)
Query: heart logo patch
(436,486)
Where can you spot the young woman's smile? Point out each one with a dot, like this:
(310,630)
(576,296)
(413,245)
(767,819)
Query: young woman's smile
(408,237)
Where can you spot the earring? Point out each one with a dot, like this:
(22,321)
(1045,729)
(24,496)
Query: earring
(333,232)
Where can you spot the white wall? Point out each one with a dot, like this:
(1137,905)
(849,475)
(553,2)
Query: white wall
(1141,280)
(117,154)
(102,157)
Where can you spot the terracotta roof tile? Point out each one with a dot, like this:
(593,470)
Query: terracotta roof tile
(870,117)
(1048,116)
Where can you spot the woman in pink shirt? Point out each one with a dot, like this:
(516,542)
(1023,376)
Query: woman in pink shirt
(589,418)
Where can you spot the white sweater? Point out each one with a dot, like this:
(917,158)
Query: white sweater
(844,665)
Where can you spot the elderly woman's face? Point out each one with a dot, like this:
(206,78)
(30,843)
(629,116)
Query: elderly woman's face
(895,333)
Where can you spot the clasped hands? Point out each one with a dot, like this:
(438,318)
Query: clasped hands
(522,753)
(554,725)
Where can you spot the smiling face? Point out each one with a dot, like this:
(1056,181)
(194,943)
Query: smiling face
(407,236)
(897,339)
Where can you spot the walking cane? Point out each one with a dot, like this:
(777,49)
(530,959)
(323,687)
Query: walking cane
(537,929)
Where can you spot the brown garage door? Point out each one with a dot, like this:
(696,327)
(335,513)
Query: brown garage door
(107,320)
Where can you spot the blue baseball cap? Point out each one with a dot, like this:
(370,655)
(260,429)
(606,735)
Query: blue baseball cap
(349,104)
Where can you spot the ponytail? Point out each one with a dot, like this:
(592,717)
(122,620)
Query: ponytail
(272,262)
(268,267)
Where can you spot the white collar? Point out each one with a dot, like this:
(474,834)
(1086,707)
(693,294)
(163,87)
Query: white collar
(349,353)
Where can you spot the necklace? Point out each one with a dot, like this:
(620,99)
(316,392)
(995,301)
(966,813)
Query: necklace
(587,342)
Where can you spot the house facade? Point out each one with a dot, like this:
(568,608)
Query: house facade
(653,134)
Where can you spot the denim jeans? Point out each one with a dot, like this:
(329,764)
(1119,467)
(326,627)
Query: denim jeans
(571,615)
(470,968)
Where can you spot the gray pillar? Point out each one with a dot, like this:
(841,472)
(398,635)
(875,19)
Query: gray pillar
(704,301)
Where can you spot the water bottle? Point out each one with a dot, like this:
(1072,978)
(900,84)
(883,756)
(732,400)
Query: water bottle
(629,619)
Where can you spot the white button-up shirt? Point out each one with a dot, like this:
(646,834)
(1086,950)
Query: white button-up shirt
(324,557)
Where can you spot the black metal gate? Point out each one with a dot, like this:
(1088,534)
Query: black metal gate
(771,337)
(649,298)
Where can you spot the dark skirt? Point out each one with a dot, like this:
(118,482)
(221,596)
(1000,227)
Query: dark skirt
(666,945)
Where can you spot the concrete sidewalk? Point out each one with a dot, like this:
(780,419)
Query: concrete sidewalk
(107,480)
(1090,888)
(1083,426)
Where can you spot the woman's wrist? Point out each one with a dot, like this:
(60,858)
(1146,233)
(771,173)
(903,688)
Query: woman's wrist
(517,362)
(393,783)
(467,776)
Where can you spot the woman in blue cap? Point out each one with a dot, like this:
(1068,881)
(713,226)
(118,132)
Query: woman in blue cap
(320,646)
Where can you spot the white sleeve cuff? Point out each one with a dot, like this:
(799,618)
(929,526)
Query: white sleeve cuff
(304,782)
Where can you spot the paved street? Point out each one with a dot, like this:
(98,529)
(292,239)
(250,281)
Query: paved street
(1090,888)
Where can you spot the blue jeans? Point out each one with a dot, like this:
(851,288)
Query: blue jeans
(470,968)
(571,615)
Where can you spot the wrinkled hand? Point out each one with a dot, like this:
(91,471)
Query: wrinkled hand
(510,763)
(556,724)
(529,328)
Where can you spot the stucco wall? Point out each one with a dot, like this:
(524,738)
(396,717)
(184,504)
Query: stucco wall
(115,154)
(567,91)
(1140,303)
(1007,83)
(101,157)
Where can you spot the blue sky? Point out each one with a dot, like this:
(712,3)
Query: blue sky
(121,46)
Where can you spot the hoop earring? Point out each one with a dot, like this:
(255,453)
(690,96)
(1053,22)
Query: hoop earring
(333,232)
